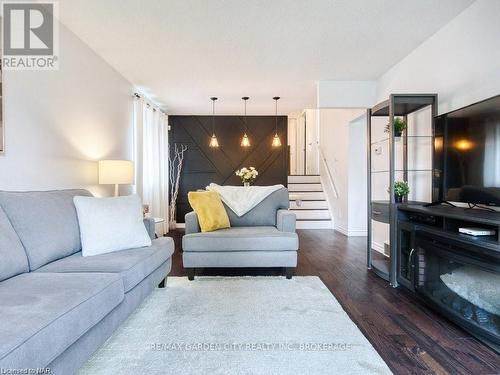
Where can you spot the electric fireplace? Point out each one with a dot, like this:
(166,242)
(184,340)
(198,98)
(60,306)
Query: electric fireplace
(461,282)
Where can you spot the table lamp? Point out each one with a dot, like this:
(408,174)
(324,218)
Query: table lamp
(116,172)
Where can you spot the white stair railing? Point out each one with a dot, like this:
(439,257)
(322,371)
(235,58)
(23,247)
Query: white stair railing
(329,173)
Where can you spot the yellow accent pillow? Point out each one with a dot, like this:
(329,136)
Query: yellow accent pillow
(210,211)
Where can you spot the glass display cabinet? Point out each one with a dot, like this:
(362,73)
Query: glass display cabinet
(395,155)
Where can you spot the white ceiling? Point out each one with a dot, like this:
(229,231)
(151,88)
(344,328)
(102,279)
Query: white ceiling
(181,52)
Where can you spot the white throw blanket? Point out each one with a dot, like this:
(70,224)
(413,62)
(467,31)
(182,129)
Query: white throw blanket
(242,199)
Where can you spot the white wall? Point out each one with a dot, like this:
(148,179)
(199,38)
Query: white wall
(357,178)
(297,122)
(312,142)
(293,119)
(338,147)
(346,94)
(343,142)
(461,62)
(58,123)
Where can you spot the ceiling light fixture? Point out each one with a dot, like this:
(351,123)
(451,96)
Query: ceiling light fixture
(276,138)
(245,141)
(214,143)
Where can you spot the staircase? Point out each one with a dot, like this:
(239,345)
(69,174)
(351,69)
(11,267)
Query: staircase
(308,202)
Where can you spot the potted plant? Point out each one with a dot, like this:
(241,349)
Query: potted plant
(401,190)
(247,175)
(399,125)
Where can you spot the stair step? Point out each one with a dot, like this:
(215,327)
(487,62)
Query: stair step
(292,188)
(312,211)
(314,224)
(310,196)
(308,205)
(312,214)
(301,179)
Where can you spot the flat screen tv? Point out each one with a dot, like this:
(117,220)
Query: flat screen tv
(467,154)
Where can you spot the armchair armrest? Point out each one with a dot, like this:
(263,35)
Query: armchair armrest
(149,223)
(192,225)
(285,221)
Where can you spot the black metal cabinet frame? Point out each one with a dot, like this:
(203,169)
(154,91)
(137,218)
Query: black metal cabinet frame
(397,105)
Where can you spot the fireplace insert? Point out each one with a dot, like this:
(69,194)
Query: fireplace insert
(461,282)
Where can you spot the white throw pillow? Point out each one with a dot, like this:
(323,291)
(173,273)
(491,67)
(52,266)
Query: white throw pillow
(110,224)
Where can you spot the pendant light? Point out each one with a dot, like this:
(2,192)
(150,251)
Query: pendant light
(245,141)
(276,138)
(214,143)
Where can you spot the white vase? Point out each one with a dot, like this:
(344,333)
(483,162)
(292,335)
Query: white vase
(246,184)
(172,225)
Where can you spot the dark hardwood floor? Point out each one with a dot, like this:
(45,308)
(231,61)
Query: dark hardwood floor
(411,338)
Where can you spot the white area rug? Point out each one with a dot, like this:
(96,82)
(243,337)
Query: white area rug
(238,325)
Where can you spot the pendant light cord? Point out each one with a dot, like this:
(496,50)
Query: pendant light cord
(246,127)
(245,98)
(213,117)
(276,116)
(213,99)
(276,98)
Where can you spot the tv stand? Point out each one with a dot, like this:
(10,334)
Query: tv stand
(433,258)
(439,203)
(473,206)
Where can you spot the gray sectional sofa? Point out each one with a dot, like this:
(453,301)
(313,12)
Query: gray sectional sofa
(57,307)
(263,237)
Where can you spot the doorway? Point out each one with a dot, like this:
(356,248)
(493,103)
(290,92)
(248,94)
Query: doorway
(303,142)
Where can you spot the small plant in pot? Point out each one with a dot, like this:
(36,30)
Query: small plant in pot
(399,125)
(401,190)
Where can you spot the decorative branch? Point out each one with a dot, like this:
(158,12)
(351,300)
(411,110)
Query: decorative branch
(175,160)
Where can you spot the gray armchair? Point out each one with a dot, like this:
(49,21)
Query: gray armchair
(263,237)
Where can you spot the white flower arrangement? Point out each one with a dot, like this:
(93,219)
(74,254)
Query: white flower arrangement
(247,175)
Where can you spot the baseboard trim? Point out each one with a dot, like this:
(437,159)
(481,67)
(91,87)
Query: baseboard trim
(378,247)
(314,224)
(341,230)
(351,233)
(358,233)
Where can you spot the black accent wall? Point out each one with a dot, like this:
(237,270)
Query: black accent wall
(203,165)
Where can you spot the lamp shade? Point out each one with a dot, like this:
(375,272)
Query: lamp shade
(116,172)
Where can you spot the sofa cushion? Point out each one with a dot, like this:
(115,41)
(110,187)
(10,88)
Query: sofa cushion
(46,223)
(132,265)
(209,209)
(111,224)
(241,239)
(42,314)
(12,254)
(264,214)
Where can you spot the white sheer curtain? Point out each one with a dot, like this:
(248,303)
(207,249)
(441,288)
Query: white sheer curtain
(151,159)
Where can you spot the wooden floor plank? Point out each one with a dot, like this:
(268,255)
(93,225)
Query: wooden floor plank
(410,337)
